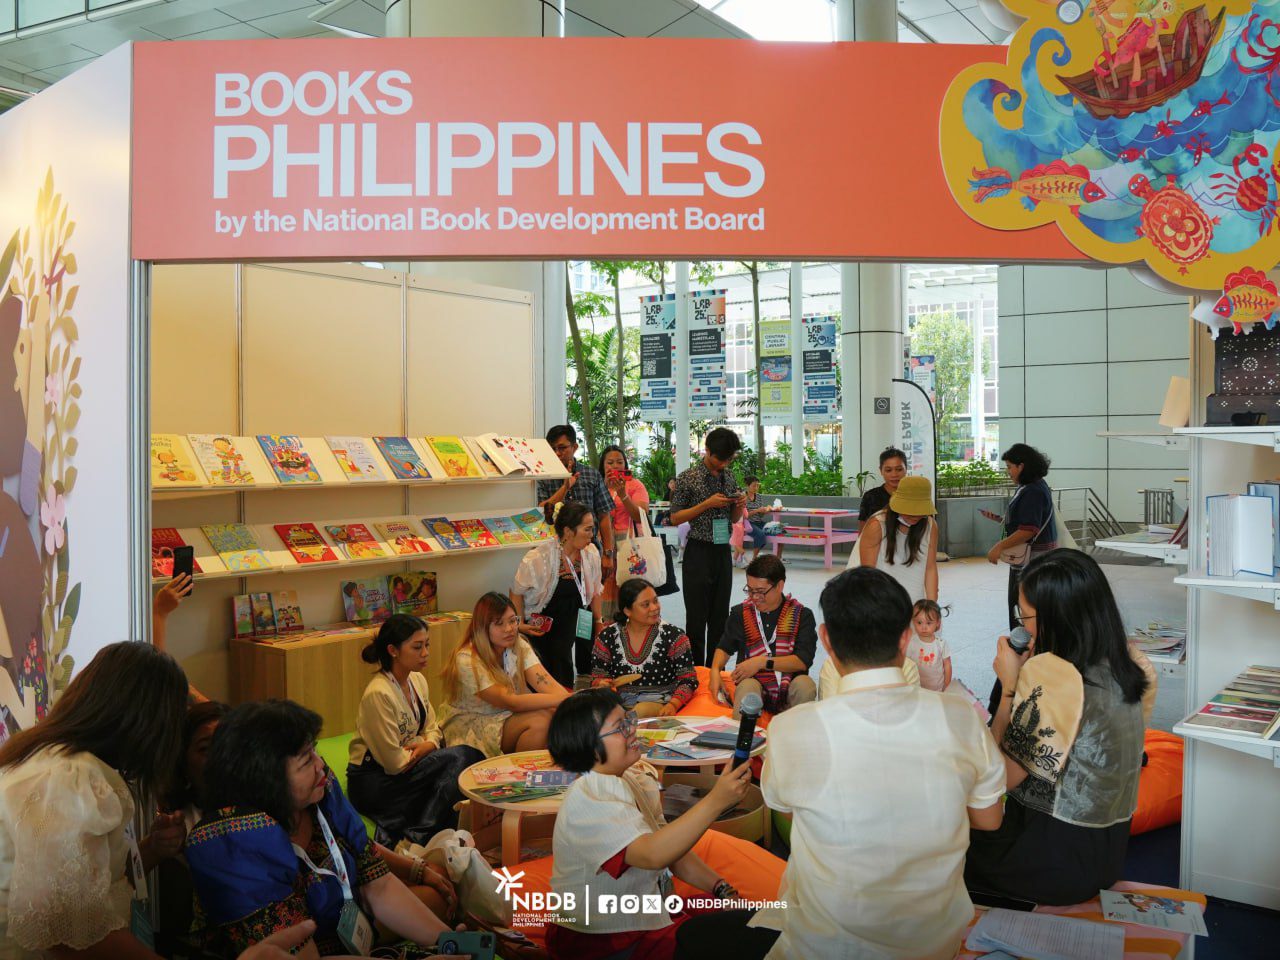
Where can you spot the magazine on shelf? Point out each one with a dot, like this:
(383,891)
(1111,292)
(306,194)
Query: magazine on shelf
(444,531)
(163,540)
(305,543)
(173,465)
(236,546)
(454,457)
(403,458)
(413,593)
(1249,706)
(403,538)
(356,460)
(1241,535)
(355,540)
(220,456)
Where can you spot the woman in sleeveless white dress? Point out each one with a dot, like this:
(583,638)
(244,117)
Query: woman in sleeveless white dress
(912,504)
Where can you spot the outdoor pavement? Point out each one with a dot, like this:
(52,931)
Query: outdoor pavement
(976,592)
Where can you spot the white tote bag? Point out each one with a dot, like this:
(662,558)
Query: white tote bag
(642,555)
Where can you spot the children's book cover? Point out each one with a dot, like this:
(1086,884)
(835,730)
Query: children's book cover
(503,460)
(305,543)
(454,457)
(366,601)
(163,540)
(475,533)
(356,460)
(506,530)
(355,540)
(237,546)
(242,616)
(405,462)
(264,616)
(480,457)
(403,538)
(413,593)
(223,464)
(172,464)
(533,524)
(289,459)
(443,530)
(288,612)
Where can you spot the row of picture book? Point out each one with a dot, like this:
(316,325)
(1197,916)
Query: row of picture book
(238,547)
(203,460)
(278,616)
(1244,532)
(1249,706)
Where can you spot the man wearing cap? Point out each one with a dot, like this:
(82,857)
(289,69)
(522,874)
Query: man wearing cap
(902,539)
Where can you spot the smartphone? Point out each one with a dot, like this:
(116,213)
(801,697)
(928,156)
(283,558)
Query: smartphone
(184,561)
(478,945)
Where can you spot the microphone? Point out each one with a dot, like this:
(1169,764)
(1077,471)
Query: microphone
(750,711)
(1020,639)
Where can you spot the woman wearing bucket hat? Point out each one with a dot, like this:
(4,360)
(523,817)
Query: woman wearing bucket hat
(902,539)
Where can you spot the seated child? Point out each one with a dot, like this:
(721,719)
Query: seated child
(927,648)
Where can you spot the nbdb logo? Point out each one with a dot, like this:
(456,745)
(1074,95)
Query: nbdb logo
(537,901)
(633,904)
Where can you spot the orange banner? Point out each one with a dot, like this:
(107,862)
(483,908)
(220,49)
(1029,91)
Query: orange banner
(552,149)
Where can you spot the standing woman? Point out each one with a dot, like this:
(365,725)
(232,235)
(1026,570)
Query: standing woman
(399,772)
(630,504)
(560,579)
(893,467)
(902,539)
(1029,518)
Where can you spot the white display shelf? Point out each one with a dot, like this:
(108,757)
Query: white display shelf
(1141,545)
(1170,441)
(1254,746)
(1168,666)
(1256,436)
(175,493)
(1250,586)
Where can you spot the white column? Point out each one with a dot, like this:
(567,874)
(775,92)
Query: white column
(797,370)
(681,371)
(545,281)
(871,297)
(978,398)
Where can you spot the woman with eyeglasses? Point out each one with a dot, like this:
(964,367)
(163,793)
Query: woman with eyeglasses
(902,539)
(1070,724)
(611,836)
(648,662)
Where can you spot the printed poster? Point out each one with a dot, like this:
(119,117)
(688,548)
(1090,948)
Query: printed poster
(923,372)
(707,395)
(658,364)
(775,372)
(821,392)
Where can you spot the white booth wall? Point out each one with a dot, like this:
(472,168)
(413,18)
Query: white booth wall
(333,349)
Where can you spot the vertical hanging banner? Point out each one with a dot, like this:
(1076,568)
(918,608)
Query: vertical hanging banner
(775,372)
(821,394)
(923,371)
(707,394)
(914,429)
(659,365)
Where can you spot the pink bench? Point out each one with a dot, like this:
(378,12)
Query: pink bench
(826,536)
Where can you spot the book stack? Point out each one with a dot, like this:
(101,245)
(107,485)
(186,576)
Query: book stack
(1161,642)
(1249,706)
(267,616)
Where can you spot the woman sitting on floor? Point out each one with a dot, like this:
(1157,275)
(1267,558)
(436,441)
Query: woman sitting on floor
(610,834)
(653,657)
(498,695)
(281,844)
(400,774)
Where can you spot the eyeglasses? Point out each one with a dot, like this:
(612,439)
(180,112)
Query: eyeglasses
(626,726)
(758,591)
(1021,617)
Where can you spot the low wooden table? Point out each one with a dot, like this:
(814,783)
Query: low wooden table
(707,764)
(514,815)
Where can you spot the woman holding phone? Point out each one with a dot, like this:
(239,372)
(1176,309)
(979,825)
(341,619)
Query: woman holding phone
(630,504)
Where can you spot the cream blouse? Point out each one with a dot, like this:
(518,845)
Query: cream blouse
(387,723)
(63,853)
(539,572)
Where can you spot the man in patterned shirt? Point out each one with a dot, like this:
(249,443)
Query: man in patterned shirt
(707,498)
(585,485)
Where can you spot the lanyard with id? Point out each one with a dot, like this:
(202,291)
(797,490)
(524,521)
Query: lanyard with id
(354,929)
(582,629)
(764,636)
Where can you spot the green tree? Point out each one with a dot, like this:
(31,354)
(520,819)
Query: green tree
(753,268)
(599,417)
(583,306)
(950,340)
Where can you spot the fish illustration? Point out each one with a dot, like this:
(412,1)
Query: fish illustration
(1132,154)
(1053,182)
(1248,297)
(1204,108)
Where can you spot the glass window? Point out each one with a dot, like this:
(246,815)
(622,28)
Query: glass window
(33,12)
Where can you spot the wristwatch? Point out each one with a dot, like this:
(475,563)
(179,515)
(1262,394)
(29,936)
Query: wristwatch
(768,663)
(611,553)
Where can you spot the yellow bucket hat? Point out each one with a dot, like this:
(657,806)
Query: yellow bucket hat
(913,498)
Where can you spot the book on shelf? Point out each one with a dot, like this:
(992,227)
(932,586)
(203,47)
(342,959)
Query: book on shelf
(267,616)
(453,456)
(264,614)
(506,530)
(366,601)
(403,539)
(413,593)
(288,612)
(445,533)
(242,616)
(355,540)
(475,533)
(522,455)
(533,524)
(1249,706)
(405,461)
(1241,535)
(221,459)
(1270,490)
(289,459)
(481,457)
(305,543)
(173,465)
(355,459)
(236,546)
(163,540)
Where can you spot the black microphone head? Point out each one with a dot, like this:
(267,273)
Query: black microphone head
(752,705)
(1020,639)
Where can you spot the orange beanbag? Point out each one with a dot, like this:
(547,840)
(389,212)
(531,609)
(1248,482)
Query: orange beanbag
(753,871)
(1159,784)
(704,704)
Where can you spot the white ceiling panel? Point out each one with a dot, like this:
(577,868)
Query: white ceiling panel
(257,9)
(631,18)
(952,28)
(236,31)
(696,26)
(576,25)
(919,9)
(173,28)
(285,25)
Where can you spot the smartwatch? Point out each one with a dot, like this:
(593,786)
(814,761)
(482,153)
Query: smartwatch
(768,663)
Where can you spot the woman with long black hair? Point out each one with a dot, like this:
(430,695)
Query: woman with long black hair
(1070,724)
(902,539)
